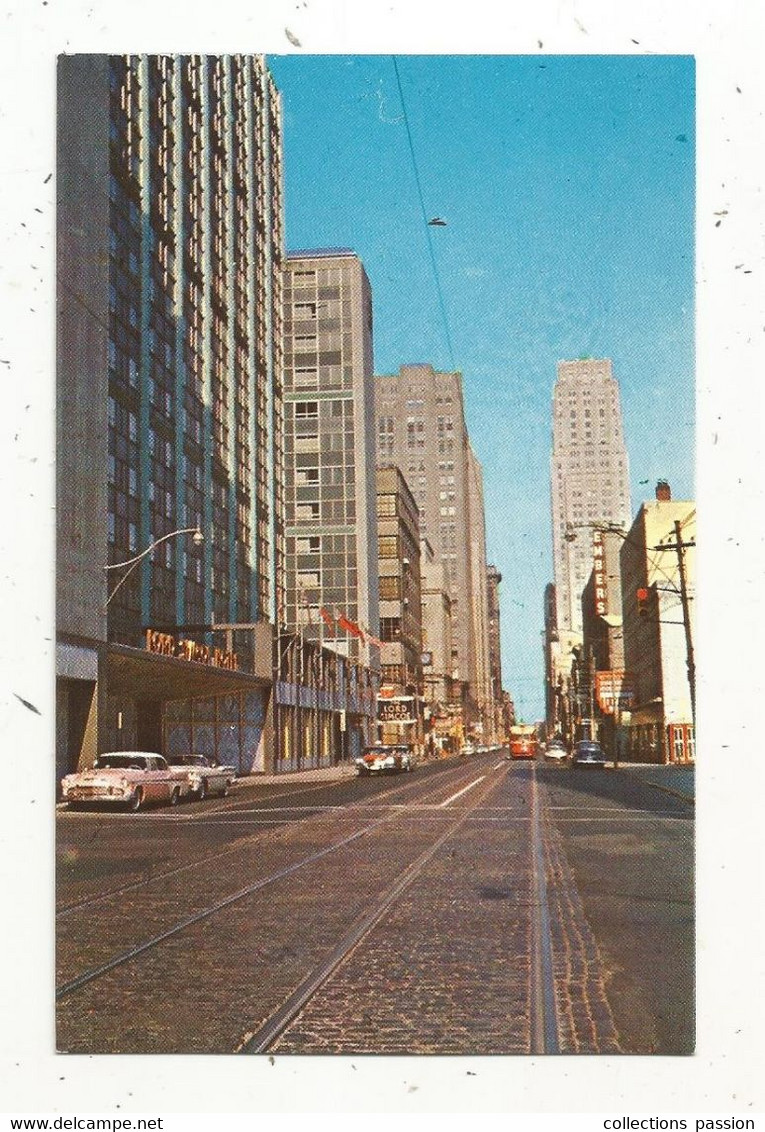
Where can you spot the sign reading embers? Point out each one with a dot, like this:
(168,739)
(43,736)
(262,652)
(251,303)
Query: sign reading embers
(166,645)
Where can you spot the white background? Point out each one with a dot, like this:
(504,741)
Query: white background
(725,1075)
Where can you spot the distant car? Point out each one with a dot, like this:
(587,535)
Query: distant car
(588,753)
(385,758)
(556,750)
(124,778)
(200,777)
(468,749)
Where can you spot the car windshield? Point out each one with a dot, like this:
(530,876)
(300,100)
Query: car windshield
(120,762)
(187,760)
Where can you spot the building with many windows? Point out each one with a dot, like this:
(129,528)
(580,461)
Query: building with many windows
(331,591)
(169,404)
(398,532)
(589,476)
(658,560)
(421,428)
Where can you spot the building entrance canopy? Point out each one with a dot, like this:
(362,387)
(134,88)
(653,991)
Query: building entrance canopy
(151,676)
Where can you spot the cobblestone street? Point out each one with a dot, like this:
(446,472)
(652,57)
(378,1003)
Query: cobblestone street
(403,915)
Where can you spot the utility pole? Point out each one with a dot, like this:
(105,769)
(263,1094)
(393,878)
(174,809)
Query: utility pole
(691,664)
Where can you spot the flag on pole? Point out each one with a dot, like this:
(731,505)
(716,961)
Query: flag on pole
(349,626)
(327,617)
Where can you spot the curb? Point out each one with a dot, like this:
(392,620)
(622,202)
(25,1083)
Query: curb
(689,799)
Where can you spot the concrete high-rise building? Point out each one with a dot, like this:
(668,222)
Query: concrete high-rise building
(169,409)
(331,524)
(421,427)
(589,476)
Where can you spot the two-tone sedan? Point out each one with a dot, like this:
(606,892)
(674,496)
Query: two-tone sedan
(125,778)
(588,753)
(199,777)
(385,759)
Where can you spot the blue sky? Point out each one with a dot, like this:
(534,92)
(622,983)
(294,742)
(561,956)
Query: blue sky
(567,184)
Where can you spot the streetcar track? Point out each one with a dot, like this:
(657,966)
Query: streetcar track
(274,1027)
(544,1020)
(87,977)
(131,886)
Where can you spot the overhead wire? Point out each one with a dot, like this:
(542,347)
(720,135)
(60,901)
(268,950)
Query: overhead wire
(429,238)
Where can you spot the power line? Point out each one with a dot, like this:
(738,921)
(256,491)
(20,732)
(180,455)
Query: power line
(429,237)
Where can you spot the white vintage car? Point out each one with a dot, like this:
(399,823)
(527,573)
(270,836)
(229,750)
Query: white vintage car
(385,759)
(126,778)
(199,777)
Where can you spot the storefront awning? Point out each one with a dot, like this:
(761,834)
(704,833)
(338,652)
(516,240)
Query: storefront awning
(146,675)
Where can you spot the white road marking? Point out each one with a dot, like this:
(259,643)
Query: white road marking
(463,791)
(499,765)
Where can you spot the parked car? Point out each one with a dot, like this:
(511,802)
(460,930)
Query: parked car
(384,758)
(126,778)
(556,750)
(468,749)
(200,777)
(588,753)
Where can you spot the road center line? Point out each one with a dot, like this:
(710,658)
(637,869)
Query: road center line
(463,791)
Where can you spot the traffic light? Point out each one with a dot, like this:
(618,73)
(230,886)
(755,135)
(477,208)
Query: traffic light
(641,593)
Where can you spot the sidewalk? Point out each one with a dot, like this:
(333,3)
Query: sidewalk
(322,774)
(673,779)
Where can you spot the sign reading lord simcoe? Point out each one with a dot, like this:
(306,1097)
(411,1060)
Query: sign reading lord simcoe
(167,645)
(396,709)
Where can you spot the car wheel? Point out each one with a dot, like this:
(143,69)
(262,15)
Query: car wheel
(202,791)
(136,800)
(175,796)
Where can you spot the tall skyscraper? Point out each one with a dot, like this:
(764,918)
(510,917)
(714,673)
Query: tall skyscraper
(169,411)
(421,428)
(329,448)
(589,476)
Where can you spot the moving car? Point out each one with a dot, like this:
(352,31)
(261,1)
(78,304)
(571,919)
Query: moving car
(387,758)
(200,777)
(126,778)
(588,753)
(556,750)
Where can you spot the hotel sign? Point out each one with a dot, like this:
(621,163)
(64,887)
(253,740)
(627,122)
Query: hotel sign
(166,645)
(396,710)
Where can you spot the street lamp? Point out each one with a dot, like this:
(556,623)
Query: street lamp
(131,563)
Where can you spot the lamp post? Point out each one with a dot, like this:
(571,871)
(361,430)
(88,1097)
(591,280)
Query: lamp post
(131,563)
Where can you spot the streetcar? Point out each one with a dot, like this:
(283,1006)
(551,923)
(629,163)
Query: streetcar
(523,741)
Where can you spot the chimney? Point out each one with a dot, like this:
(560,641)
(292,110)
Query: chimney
(663,492)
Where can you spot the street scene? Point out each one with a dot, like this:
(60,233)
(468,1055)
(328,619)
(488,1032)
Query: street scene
(376,534)
(477,907)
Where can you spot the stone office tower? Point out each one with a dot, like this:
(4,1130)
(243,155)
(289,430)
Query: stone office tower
(329,450)
(589,476)
(421,427)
